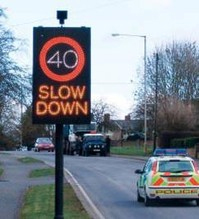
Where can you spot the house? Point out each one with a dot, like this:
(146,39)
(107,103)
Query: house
(120,129)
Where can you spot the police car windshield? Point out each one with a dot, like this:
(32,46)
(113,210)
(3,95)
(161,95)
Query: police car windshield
(175,166)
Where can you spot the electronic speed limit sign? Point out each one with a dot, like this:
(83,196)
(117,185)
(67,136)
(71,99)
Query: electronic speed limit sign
(61,75)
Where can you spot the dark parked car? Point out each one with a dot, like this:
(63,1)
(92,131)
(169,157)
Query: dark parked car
(135,136)
(94,144)
(44,143)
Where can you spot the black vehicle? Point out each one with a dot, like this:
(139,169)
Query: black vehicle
(74,135)
(135,136)
(94,144)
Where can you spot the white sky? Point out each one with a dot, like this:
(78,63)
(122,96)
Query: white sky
(115,60)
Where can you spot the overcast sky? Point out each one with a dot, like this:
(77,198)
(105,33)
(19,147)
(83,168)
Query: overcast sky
(117,62)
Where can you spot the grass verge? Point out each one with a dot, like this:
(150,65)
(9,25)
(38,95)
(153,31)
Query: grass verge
(42,172)
(29,160)
(131,150)
(39,203)
(1,171)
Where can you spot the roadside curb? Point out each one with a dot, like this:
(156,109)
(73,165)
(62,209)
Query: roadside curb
(83,197)
(89,206)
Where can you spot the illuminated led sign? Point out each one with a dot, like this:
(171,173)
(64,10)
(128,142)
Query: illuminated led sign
(61,75)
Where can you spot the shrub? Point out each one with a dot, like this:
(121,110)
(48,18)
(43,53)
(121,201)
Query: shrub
(178,143)
(184,142)
(191,142)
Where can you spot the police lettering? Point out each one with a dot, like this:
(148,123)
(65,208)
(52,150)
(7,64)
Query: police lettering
(177,191)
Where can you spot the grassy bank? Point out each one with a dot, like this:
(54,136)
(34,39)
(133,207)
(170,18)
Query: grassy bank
(39,203)
(132,150)
(28,160)
(42,172)
(1,171)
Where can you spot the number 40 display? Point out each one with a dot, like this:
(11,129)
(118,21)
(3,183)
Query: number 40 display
(61,59)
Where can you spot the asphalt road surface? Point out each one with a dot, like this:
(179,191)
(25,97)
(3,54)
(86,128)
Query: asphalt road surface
(110,183)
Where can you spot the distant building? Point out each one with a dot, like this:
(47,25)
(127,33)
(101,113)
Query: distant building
(121,129)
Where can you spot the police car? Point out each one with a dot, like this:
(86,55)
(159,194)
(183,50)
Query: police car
(168,174)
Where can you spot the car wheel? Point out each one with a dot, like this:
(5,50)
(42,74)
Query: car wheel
(86,153)
(103,154)
(71,152)
(139,198)
(147,200)
(80,152)
(197,202)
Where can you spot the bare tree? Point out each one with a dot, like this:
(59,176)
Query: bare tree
(176,82)
(178,71)
(175,115)
(14,79)
(100,108)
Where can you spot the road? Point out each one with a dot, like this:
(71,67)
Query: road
(110,183)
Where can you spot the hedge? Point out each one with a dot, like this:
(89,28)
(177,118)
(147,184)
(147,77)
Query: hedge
(184,142)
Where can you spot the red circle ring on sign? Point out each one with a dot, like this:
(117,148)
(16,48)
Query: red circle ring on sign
(68,76)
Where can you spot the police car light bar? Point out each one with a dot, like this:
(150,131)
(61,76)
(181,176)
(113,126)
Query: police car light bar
(170,152)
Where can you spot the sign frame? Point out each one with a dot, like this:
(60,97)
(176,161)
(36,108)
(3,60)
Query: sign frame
(61,75)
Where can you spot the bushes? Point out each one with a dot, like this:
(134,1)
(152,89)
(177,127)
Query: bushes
(176,139)
(184,142)
(178,143)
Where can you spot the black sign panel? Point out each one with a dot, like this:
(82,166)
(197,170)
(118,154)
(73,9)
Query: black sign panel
(61,75)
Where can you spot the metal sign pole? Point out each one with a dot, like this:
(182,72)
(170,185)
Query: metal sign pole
(59,172)
(156,104)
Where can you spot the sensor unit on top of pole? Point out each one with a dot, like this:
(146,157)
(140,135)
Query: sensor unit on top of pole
(61,16)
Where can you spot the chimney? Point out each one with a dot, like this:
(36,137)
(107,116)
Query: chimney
(107,117)
(128,117)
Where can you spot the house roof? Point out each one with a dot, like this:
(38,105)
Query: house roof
(127,124)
